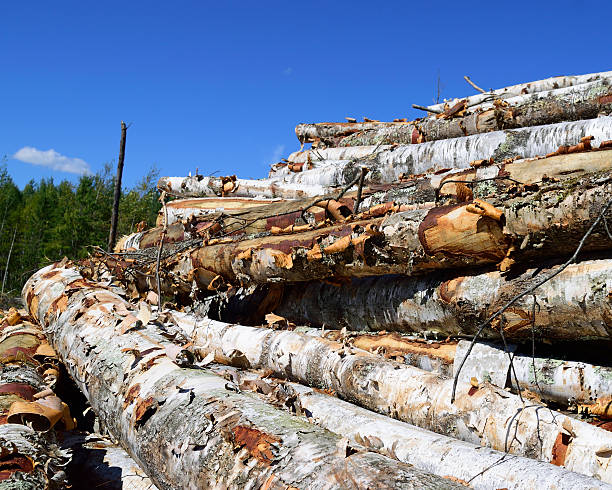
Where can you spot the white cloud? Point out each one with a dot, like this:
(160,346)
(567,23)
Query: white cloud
(287,71)
(53,160)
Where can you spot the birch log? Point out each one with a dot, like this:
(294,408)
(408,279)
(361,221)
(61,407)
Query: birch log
(182,209)
(527,88)
(482,467)
(584,101)
(102,464)
(482,415)
(573,305)
(31,460)
(541,223)
(338,166)
(187,428)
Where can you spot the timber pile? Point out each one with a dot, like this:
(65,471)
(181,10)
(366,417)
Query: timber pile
(414,304)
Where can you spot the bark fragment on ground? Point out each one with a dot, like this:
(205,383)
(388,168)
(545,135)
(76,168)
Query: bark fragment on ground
(187,428)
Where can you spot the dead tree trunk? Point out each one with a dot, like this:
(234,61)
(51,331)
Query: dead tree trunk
(481,414)
(112,237)
(188,428)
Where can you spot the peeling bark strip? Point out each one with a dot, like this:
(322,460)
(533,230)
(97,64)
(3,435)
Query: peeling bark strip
(102,464)
(527,88)
(585,101)
(484,468)
(573,305)
(30,460)
(187,428)
(482,415)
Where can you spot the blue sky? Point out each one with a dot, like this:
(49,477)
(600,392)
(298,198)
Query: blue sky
(221,85)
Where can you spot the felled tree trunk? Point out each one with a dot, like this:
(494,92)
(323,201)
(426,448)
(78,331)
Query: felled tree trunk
(569,307)
(585,101)
(481,414)
(339,166)
(484,468)
(183,209)
(187,428)
(100,463)
(541,223)
(527,88)
(31,460)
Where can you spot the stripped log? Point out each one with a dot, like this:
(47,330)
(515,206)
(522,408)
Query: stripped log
(187,428)
(481,414)
(585,101)
(31,460)
(102,464)
(569,306)
(526,88)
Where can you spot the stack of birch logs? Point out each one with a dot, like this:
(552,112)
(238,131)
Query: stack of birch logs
(407,304)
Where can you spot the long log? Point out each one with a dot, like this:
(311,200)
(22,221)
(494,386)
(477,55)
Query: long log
(526,88)
(481,414)
(569,307)
(182,209)
(338,166)
(540,223)
(102,464)
(187,428)
(585,101)
(482,467)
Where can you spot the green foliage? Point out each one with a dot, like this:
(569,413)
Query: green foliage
(50,221)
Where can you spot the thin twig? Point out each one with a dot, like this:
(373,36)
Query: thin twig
(427,109)
(467,79)
(527,292)
(510,357)
(162,198)
(364,171)
(533,313)
(472,182)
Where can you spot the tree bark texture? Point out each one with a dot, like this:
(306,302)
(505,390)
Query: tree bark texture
(481,414)
(187,428)
(339,166)
(31,460)
(183,209)
(527,88)
(103,464)
(585,101)
(570,307)
(112,237)
(336,167)
(541,223)
(484,468)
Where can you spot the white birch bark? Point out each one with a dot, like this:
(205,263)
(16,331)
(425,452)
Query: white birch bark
(484,415)
(527,88)
(187,428)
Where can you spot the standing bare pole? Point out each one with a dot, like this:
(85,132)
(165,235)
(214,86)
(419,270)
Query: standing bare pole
(8,260)
(112,237)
